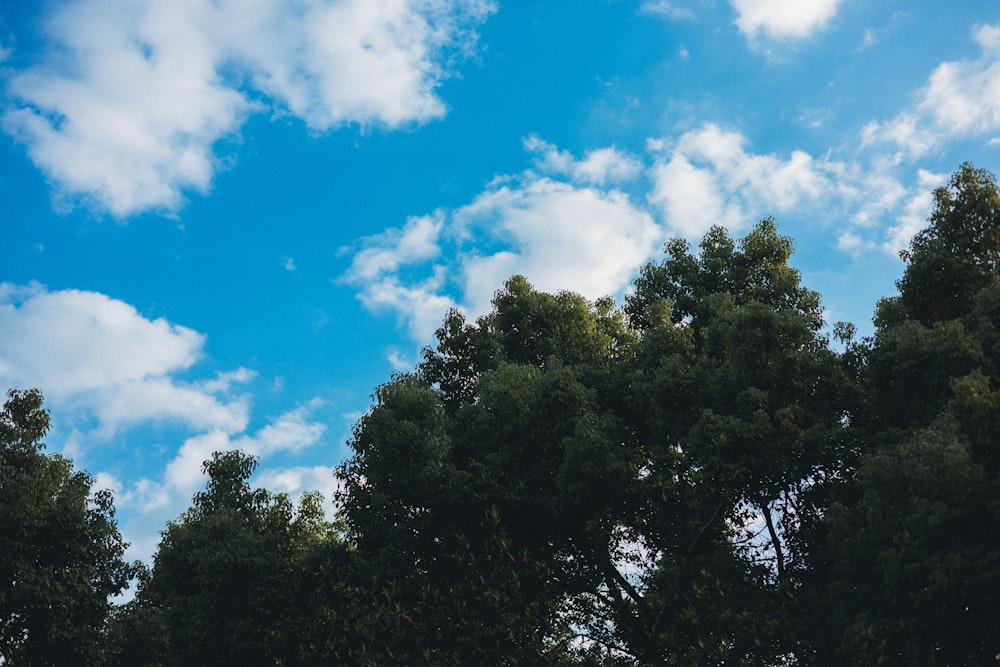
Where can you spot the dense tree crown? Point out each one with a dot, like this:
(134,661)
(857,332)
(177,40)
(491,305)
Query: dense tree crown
(704,476)
(60,550)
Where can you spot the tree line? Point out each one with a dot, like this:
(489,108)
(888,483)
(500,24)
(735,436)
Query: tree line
(703,475)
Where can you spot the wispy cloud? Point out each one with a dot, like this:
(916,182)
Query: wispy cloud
(671,10)
(598,167)
(128,109)
(960,100)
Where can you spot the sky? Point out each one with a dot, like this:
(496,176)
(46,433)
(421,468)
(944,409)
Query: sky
(225,223)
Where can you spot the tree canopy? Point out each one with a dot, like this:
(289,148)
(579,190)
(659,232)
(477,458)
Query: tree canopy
(61,555)
(706,475)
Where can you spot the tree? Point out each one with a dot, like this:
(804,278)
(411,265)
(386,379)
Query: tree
(954,257)
(622,460)
(911,572)
(485,487)
(235,580)
(60,550)
(740,409)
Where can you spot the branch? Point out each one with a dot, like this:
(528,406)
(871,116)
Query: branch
(769,521)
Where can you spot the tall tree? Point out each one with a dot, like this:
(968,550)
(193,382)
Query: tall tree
(913,568)
(739,407)
(954,257)
(60,549)
(490,480)
(623,460)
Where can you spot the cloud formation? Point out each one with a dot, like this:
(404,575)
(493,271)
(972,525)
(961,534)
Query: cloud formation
(567,222)
(961,100)
(708,178)
(100,356)
(561,224)
(559,235)
(105,368)
(127,108)
(783,19)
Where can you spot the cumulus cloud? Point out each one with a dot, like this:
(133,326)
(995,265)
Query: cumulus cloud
(783,19)
(72,341)
(960,100)
(559,235)
(105,367)
(376,269)
(576,222)
(560,224)
(598,167)
(93,353)
(915,211)
(128,107)
(708,178)
(296,481)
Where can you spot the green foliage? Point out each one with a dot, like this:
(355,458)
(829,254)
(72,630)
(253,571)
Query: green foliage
(60,550)
(699,478)
(911,568)
(954,257)
(487,479)
(233,580)
(754,270)
(738,405)
(916,577)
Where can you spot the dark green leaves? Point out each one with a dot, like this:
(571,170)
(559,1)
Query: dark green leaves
(60,550)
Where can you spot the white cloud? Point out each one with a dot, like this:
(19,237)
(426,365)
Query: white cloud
(851,242)
(783,19)
(558,235)
(709,179)
(961,100)
(290,432)
(563,229)
(690,199)
(72,341)
(91,353)
(598,167)
(567,222)
(296,481)
(161,398)
(916,210)
(400,361)
(671,10)
(127,108)
(420,304)
(105,367)
(417,241)
(964,96)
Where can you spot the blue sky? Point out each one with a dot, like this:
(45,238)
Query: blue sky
(225,223)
